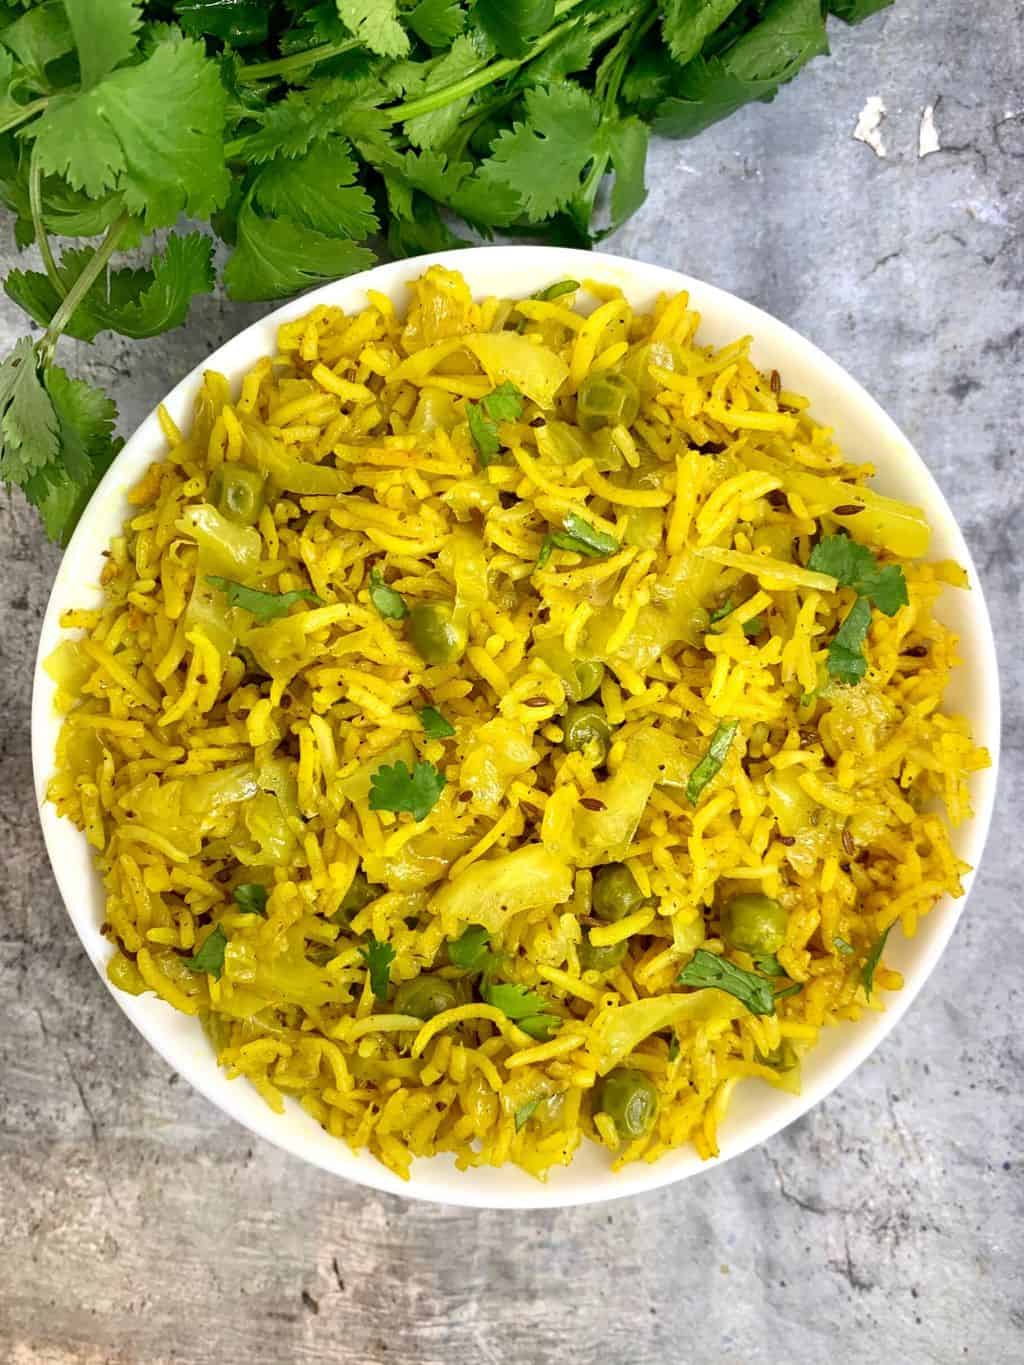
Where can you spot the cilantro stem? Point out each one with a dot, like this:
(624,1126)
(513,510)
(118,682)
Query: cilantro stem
(283,66)
(25,112)
(35,203)
(496,71)
(81,287)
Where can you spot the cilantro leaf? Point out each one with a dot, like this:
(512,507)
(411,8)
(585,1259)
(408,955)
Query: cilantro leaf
(467,55)
(768,965)
(136,303)
(153,130)
(394,787)
(543,160)
(378,958)
(251,897)
(854,566)
(471,950)
(318,190)
(706,970)
(503,404)
(105,34)
(524,1007)
(711,764)
(437,22)
(855,11)
(556,290)
(28,423)
(85,421)
(867,972)
(389,604)
(210,957)
(375,23)
(720,613)
(264,606)
(434,724)
(512,25)
(277,256)
(580,537)
(37,38)
(846,660)
(687,24)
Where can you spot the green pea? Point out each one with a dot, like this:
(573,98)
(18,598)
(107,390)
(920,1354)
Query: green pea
(754,923)
(630,1099)
(615,894)
(426,995)
(586,730)
(594,959)
(607,399)
(237,493)
(589,675)
(435,635)
(360,894)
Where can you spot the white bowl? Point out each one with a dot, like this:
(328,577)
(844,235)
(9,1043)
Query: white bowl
(865,433)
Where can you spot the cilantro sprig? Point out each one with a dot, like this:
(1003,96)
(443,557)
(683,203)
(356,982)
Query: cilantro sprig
(264,606)
(706,970)
(580,537)
(378,958)
(711,764)
(304,132)
(882,585)
(503,404)
(396,787)
(527,1009)
(210,957)
(389,603)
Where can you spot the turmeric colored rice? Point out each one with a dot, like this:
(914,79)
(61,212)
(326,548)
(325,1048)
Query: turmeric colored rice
(464,738)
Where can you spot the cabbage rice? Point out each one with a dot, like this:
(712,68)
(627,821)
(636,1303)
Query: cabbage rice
(490,734)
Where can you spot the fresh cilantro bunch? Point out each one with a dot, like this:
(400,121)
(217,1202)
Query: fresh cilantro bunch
(313,134)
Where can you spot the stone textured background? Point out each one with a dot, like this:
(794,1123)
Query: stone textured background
(140,1227)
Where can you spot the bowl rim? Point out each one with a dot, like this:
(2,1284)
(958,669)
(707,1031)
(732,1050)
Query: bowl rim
(441,1183)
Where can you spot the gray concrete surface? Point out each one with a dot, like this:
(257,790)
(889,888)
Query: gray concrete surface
(140,1227)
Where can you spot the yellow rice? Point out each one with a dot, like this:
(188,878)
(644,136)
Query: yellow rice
(191,772)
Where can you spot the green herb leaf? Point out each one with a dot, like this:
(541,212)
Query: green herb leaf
(597,542)
(673,1047)
(265,606)
(395,788)
(390,604)
(105,34)
(854,566)
(720,613)
(687,24)
(841,946)
(855,11)
(867,972)
(512,25)
(275,257)
(471,950)
(210,957)
(318,190)
(29,427)
(375,23)
(251,897)
(706,970)
(37,38)
(437,22)
(524,1007)
(846,660)
(136,303)
(153,130)
(503,404)
(768,965)
(434,724)
(378,958)
(711,764)
(526,1111)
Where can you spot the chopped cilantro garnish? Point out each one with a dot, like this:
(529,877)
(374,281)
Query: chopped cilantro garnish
(210,957)
(523,1007)
(854,566)
(846,660)
(471,950)
(393,787)
(706,970)
(434,724)
(378,958)
(526,1111)
(389,604)
(711,764)
(503,404)
(264,606)
(867,972)
(579,537)
(251,897)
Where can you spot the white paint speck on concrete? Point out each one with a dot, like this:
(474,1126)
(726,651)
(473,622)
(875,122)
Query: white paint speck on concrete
(928,134)
(869,124)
